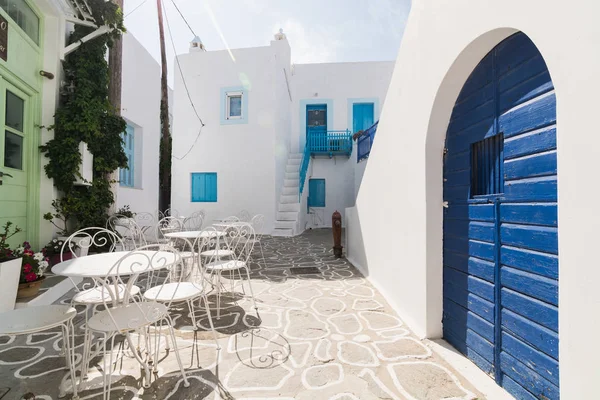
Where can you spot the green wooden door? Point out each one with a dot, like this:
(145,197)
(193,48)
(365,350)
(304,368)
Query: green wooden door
(16,126)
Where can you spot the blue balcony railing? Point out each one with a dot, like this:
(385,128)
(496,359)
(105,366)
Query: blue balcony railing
(365,142)
(331,143)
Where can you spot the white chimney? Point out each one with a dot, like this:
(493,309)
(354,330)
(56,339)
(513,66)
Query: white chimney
(280,35)
(196,45)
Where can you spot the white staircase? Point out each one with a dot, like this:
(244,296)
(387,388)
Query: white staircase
(286,223)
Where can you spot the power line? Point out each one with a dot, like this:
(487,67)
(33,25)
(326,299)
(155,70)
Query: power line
(185,86)
(138,6)
(182,17)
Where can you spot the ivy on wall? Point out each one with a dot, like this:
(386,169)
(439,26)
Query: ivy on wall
(85,115)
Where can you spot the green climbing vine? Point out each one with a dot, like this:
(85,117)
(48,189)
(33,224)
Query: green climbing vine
(85,115)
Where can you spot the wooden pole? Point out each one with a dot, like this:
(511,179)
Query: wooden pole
(115,67)
(165,153)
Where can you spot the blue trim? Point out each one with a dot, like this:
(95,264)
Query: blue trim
(376,111)
(127,175)
(316,193)
(303,104)
(245,99)
(203,187)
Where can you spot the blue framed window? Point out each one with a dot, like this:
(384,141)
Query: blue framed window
(204,187)
(487,159)
(316,193)
(127,175)
(234,105)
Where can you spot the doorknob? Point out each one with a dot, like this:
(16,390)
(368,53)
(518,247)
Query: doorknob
(2,175)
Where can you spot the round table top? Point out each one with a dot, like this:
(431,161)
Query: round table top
(194,234)
(103,264)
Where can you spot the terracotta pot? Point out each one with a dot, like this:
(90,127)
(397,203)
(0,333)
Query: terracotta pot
(29,289)
(55,258)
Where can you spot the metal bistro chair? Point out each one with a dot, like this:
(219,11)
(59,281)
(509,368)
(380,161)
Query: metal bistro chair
(167,225)
(258,223)
(194,222)
(93,296)
(124,314)
(244,216)
(29,320)
(238,241)
(131,233)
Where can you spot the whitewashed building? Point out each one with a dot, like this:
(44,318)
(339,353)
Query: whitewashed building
(487,234)
(240,142)
(35,34)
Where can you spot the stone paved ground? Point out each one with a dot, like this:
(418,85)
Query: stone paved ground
(323,336)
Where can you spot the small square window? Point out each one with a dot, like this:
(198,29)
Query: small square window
(204,187)
(487,157)
(234,105)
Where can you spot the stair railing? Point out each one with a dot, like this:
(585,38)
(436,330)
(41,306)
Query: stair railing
(303,169)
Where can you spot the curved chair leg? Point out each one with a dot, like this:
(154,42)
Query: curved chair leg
(68,347)
(186,383)
(262,254)
(190,304)
(112,352)
(250,286)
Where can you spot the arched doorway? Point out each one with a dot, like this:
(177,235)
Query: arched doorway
(500,246)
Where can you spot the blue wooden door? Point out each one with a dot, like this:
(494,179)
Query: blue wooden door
(362,116)
(500,227)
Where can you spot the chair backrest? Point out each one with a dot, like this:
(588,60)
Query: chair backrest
(153,259)
(168,225)
(258,223)
(87,238)
(171,212)
(128,229)
(239,237)
(244,216)
(144,219)
(194,222)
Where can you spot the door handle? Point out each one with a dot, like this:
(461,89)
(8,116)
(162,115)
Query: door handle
(2,175)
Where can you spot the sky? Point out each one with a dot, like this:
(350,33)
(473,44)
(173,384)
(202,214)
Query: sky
(318,30)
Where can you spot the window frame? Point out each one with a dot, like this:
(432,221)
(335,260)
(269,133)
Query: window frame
(205,198)
(129,172)
(228,97)
(226,94)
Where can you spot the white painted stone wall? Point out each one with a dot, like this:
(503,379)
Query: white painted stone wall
(335,83)
(242,155)
(140,106)
(442,43)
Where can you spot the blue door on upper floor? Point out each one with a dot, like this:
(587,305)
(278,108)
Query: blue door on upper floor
(316,118)
(363,116)
(500,246)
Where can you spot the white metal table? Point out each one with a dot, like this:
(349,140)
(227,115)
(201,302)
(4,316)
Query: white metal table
(194,234)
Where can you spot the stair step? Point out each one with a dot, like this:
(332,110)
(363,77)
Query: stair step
(287,207)
(291,182)
(294,161)
(292,175)
(282,232)
(287,199)
(285,224)
(296,155)
(292,168)
(287,216)
(290,190)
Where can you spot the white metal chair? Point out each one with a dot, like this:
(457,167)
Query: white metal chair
(127,228)
(239,241)
(167,225)
(93,296)
(176,288)
(125,314)
(258,223)
(146,222)
(244,216)
(194,222)
(38,319)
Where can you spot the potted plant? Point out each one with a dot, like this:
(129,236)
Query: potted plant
(33,266)
(56,248)
(124,216)
(10,267)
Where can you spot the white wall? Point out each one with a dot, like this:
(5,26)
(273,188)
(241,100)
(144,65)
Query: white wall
(335,83)
(240,154)
(140,106)
(442,43)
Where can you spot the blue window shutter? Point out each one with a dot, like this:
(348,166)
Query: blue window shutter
(204,187)
(316,193)
(362,116)
(126,175)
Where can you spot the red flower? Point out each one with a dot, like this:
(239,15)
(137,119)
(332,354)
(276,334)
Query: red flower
(27,268)
(28,252)
(31,277)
